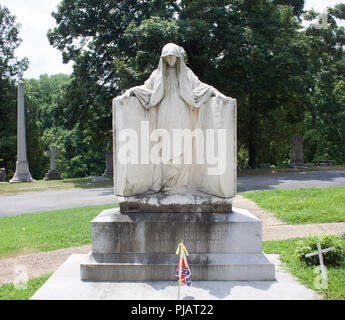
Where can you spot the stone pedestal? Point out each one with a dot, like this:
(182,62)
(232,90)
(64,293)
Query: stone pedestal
(53,175)
(22,173)
(141,246)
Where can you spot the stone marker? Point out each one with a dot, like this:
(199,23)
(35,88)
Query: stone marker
(2,174)
(53,174)
(109,165)
(297,156)
(22,173)
(319,252)
(163,203)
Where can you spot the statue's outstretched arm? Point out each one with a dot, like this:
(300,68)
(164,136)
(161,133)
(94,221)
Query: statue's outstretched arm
(143,92)
(202,91)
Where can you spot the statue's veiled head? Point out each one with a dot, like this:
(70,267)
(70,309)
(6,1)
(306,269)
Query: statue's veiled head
(172,56)
(171,53)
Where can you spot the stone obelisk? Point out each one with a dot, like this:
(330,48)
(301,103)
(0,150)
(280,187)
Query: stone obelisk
(22,168)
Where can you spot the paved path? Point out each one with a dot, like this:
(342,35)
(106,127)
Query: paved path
(274,229)
(291,180)
(14,204)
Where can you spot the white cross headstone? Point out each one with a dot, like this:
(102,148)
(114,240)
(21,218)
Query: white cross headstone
(322,266)
(52,153)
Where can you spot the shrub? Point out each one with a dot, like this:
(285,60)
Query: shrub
(308,245)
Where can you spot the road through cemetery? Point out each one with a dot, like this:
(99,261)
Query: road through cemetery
(13,204)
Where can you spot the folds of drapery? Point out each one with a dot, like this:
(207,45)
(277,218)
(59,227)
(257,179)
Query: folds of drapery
(210,113)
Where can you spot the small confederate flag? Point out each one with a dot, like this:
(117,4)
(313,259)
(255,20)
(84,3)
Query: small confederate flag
(185,271)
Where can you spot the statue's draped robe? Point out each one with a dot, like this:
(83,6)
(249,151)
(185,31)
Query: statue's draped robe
(174,98)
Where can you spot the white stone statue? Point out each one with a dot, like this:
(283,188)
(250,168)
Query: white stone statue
(155,114)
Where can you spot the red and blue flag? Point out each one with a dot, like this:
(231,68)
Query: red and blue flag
(185,271)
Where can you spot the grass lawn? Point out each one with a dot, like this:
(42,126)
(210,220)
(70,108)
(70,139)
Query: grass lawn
(286,248)
(294,206)
(305,274)
(47,231)
(43,185)
(9,292)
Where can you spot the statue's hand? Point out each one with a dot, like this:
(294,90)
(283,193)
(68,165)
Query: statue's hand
(219,96)
(126,95)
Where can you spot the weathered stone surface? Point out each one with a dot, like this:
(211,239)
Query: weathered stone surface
(109,166)
(297,156)
(65,284)
(141,246)
(114,232)
(22,173)
(191,202)
(211,267)
(53,175)
(2,175)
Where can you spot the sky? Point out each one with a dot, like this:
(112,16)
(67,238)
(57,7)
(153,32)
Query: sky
(35,19)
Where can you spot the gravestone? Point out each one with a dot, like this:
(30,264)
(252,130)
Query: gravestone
(165,203)
(320,252)
(53,173)
(22,173)
(108,165)
(297,156)
(2,175)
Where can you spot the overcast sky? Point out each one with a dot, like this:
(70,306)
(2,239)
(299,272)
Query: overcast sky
(35,18)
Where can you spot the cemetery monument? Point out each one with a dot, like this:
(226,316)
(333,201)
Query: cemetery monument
(175,176)
(53,173)
(2,175)
(22,173)
(109,171)
(297,156)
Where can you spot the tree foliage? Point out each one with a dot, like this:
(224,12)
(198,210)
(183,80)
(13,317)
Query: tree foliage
(12,68)
(251,50)
(324,119)
(78,157)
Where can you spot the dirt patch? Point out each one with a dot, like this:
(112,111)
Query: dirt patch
(22,268)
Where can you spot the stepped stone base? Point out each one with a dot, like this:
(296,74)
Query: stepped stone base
(191,201)
(53,175)
(141,246)
(22,173)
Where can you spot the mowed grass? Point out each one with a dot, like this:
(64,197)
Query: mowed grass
(50,185)
(306,274)
(28,289)
(301,206)
(47,231)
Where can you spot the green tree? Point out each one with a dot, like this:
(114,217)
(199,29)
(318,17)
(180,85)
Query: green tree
(11,68)
(79,157)
(250,50)
(324,118)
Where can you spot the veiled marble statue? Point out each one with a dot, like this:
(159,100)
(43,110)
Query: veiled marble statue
(173,101)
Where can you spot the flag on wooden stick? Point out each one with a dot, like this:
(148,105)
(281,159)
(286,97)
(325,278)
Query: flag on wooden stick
(183,272)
